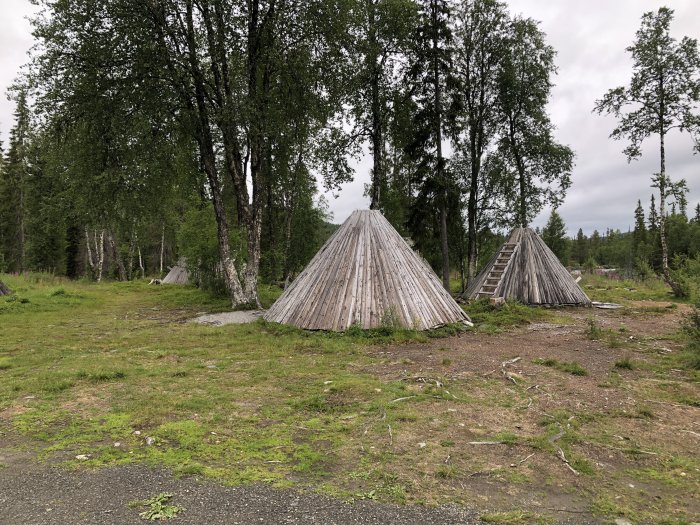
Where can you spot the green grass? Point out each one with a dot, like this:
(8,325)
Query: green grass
(624,364)
(572,368)
(121,358)
(602,289)
(493,319)
(84,366)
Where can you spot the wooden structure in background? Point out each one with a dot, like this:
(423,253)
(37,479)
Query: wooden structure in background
(4,290)
(366,275)
(178,274)
(525,269)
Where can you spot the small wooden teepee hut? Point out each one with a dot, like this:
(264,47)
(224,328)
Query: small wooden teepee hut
(4,290)
(178,274)
(525,269)
(366,275)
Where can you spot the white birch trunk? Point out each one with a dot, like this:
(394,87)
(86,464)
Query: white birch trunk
(100,251)
(162,248)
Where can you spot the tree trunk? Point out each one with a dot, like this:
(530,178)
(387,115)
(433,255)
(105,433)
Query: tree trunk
(4,290)
(441,176)
(662,221)
(377,133)
(100,254)
(88,253)
(472,205)
(121,269)
(130,263)
(162,248)
(141,267)
(22,226)
(208,156)
(522,181)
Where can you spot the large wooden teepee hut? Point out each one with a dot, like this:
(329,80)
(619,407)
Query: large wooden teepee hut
(4,290)
(525,269)
(368,276)
(178,273)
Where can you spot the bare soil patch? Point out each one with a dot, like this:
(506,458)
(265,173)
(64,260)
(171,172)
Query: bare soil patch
(631,433)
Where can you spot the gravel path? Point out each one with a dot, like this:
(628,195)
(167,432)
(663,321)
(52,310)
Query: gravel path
(39,495)
(238,317)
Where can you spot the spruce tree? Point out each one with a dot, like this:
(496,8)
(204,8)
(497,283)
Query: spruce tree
(581,247)
(653,216)
(554,236)
(13,199)
(429,79)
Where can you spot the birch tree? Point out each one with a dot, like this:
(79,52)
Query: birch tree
(541,166)
(662,96)
(479,50)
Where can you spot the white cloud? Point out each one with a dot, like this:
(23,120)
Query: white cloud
(15,41)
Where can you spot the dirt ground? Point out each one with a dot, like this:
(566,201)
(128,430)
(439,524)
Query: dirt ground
(603,415)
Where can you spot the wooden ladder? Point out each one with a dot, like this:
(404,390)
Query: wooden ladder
(498,270)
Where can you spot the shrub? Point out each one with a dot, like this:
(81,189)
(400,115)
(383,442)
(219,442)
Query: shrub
(691,327)
(593,330)
(624,363)
(643,269)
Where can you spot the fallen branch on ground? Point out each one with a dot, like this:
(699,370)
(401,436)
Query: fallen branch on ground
(524,460)
(561,455)
(510,362)
(402,399)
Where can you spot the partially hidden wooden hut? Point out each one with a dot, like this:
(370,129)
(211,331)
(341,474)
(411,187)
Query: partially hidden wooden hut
(525,269)
(366,275)
(178,273)
(4,290)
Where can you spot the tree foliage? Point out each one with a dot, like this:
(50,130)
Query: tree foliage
(662,96)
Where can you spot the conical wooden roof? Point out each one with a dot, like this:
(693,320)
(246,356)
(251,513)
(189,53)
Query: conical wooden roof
(366,275)
(525,269)
(178,274)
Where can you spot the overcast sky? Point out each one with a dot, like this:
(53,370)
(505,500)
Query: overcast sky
(590,38)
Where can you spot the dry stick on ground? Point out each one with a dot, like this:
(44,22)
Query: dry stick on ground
(402,399)
(524,460)
(486,443)
(391,435)
(561,455)
(691,432)
(507,363)
(510,362)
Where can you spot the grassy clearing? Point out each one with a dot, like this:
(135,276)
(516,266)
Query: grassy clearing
(494,319)
(112,373)
(276,401)
(602,289)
